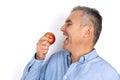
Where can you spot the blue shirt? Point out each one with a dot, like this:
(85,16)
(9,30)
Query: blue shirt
(59,67)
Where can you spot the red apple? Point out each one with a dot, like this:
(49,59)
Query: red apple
(51,36)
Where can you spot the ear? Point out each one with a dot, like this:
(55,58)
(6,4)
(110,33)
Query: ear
(88,31)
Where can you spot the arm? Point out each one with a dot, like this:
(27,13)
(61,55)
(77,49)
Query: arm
(36,67)
(32,70)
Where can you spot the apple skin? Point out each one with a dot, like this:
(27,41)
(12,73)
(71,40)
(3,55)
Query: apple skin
(51,36)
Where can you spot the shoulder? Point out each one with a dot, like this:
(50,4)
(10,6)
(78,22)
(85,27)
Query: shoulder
(108,71)
(102,69)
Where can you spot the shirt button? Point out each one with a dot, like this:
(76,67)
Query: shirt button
(65,78)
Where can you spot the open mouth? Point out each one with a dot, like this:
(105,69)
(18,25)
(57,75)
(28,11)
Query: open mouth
(66,39)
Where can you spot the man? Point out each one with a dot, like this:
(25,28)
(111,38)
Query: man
(78,60)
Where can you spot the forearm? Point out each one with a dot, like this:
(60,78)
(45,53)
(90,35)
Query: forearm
(32,70)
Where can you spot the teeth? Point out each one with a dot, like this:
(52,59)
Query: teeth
(65,37)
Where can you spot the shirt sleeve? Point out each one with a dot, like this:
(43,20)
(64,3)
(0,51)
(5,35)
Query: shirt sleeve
(33,69)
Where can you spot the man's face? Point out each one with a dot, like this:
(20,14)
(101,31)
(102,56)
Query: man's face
(73,31)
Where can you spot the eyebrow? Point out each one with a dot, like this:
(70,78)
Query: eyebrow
(68,21)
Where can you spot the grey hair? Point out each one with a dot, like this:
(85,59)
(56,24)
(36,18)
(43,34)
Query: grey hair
(91,16)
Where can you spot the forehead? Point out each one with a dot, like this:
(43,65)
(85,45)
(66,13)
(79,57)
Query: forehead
(75,15)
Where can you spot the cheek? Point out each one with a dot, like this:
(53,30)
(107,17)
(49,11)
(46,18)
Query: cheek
(74,34)
(74,38)
(77,37)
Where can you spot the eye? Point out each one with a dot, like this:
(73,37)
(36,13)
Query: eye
(69,24)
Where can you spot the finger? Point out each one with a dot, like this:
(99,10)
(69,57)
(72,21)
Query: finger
(45,47)
(45,43)
(45,52)
(42,44)
(43,38)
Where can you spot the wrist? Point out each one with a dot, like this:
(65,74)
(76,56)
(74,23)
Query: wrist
(37,57)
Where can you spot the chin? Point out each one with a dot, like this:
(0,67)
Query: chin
(66,48)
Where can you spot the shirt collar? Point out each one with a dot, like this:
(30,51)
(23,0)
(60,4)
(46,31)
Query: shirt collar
(85,58)
(89,56)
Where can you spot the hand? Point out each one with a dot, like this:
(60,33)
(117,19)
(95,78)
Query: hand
(42,47)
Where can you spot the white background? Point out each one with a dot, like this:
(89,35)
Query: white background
(22,22)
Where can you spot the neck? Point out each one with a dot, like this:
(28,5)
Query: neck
(78,53)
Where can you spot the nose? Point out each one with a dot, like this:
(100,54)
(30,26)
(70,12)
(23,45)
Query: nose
(62,28)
